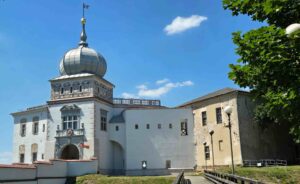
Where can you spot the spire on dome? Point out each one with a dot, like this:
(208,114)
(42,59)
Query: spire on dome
(83,36)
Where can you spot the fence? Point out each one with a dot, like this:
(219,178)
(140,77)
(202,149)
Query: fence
(222,178)
(264,162)
(181,180)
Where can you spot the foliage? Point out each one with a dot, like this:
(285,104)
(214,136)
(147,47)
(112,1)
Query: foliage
(280,174)
(269,63)
(101,179)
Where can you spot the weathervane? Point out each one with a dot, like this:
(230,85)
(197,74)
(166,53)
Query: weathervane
(83,36)
(84,6)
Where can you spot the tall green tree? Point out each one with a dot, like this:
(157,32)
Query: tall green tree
(269,62)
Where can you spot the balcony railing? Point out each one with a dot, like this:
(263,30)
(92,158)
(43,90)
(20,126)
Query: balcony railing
(139,102)
(69,132)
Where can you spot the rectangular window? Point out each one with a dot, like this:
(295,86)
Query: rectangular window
(35,130)
(184,128)
(22,158)
(204,118)
(170,126)
(23,130)
(117,128)
(159,126)
(44,127)
(103,120)
(34,156)
(168,164)
(220,145)
(207,152)
(43,156)
(136,126)
(219,115)
(70,122)
(148,126)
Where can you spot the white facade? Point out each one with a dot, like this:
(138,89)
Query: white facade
(83,121)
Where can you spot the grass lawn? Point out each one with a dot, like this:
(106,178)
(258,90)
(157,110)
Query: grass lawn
(102,179)
(280,174)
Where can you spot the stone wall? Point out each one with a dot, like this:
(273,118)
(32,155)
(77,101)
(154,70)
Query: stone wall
(55,171)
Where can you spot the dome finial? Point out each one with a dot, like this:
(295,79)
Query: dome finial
(83,36)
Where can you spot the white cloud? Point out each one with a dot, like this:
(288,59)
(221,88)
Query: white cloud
(180,24)
(162,81)
(129,95)
(5,157)
(144,91)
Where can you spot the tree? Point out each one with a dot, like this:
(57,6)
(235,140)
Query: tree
(269,63)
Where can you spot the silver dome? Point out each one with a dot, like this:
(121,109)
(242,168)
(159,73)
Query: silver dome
(82,60)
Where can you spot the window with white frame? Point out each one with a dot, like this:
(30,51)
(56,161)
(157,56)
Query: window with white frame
(70,122)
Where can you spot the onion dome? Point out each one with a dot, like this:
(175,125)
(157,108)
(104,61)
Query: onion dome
(82,59)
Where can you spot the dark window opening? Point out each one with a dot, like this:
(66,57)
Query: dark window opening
(204,118)
(35,128)
(62,91)
(117,128)
(170,126)
(34,156)
(71,90)
(103,119)
(136,126)
(159,126)
(148,126)
(22,158)
(207,152)
(23,130)
(168,164)
(44,127)
(184,128)
(219,115)
(80,88)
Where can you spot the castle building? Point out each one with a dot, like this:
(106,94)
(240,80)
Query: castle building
(83,120)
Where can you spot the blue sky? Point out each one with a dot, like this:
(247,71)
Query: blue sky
(147,55)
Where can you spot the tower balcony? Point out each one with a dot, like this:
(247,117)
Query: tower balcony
(70,132)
